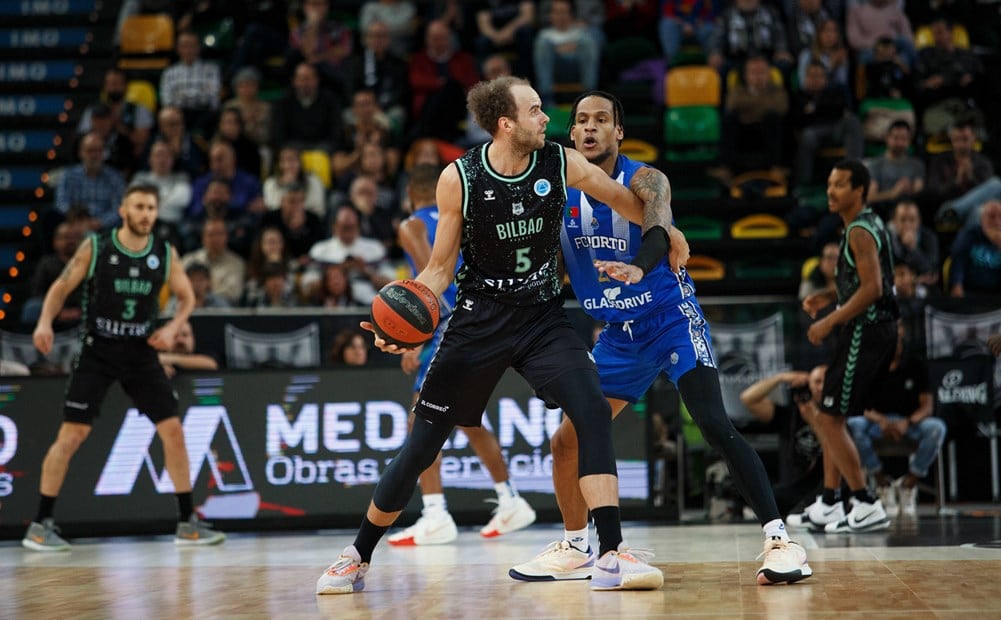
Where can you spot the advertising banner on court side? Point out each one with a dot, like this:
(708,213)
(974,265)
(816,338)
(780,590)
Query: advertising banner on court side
(275,445)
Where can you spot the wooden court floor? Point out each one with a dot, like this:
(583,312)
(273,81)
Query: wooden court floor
(936,568)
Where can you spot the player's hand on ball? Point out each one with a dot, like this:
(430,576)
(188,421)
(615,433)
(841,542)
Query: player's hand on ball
(630,274)
(381,344)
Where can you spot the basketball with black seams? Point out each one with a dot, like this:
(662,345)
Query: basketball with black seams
(405,313)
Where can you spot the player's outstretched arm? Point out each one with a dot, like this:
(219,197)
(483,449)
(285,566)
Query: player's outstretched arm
(593,181)
(72,275)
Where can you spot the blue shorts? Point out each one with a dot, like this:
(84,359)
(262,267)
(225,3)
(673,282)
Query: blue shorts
(630,355)
(428,352)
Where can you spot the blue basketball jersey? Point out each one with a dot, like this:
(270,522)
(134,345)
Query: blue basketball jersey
(429,215)
(593,231)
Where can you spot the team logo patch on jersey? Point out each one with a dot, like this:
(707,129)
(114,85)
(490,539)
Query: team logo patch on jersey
(152,261)
(517,208)
(594,223)
(133,272)
(543,187)
(113,259)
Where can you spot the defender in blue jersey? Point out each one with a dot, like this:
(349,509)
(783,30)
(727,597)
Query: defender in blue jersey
(501,205)
(435,525)
(653,324)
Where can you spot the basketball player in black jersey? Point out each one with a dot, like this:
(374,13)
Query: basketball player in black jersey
(502,203)
(123,270)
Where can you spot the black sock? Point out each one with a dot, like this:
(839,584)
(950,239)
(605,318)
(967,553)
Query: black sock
(184,506)
(609,527)
(367,538)
(829,496)
(45,507)
(863,495)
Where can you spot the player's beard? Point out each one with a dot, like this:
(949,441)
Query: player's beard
(525,142)
(137,227)
(601,157)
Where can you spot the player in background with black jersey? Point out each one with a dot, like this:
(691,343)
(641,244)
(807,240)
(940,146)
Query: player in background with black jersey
(122,270)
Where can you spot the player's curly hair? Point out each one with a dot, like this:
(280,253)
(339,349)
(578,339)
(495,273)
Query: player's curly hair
(489,101)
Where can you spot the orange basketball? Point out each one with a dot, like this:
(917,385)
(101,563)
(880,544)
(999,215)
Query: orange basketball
(405,313)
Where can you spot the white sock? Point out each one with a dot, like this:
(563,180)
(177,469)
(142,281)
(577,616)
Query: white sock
(435,502)
(577,539)
(506,492)
(776,528)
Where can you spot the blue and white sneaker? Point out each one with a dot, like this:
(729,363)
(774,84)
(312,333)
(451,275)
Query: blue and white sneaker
(557,562)
(626,569)
(344,576)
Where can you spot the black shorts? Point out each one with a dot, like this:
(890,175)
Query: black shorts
(134,363)
(484,338)
(862,357)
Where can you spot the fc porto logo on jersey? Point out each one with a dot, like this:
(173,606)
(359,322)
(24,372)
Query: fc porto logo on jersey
(594,223)
(543,187)
(152,261)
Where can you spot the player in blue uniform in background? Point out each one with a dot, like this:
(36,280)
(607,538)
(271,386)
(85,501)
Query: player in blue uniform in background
(436,526)
(654,324)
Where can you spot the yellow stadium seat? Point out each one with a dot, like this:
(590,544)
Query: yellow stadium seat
(808,266)
(759,226)
(701,267)
(924,38)
(142,93)
(692,85)
(317,162)
(772,184)
(733,77)
(640,150)
(148,34)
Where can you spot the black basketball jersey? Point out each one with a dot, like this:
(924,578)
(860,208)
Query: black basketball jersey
(122,291)
(846,274)
(511,227)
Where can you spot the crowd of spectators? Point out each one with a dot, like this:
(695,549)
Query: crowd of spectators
(293,199)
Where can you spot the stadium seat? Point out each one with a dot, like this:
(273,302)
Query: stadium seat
(691,133)
(692,85)
(808,266)
(764,183)
(147,42)
(924,38)
(143,93)
(733,77)
(148,34)
(559,121)
(759,226)
(640,150)
(317,162)
(705,268)
(700,227)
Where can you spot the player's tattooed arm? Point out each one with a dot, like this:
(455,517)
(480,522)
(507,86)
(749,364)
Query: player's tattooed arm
(653,188)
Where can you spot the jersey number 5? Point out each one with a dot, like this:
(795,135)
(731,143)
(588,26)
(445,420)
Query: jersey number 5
(522,262)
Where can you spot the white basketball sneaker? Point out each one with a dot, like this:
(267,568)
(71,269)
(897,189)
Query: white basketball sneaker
(558,561)
(863,517)
(508,517)
(434,527)
(626,569)
(802,519)
(908,499)
(888,495)
(784,562)
(344,576)
(821,514)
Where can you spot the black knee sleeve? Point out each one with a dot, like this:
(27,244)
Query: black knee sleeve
(399,481)
(578,393)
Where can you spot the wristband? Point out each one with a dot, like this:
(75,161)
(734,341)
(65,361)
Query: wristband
(656,244)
